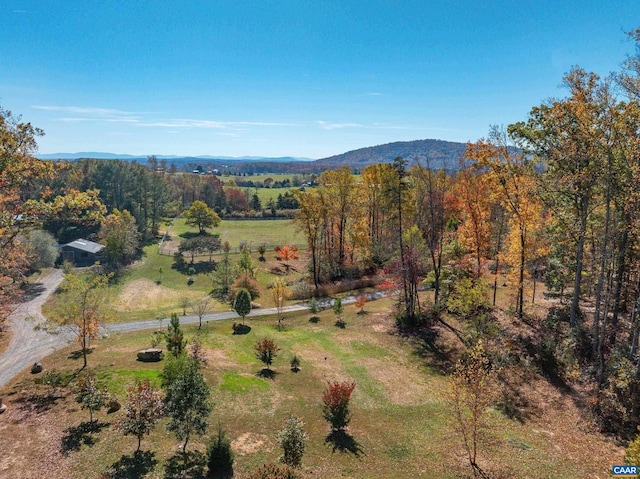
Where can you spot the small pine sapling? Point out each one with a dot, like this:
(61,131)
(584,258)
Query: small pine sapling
(338,309)
(295,364)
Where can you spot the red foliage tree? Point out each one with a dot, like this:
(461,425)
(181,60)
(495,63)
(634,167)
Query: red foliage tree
(335,407)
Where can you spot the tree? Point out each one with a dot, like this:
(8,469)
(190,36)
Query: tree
(89,395)
(279,293)
(83,305)
(564,135)
(43,250)
(311,219)
(21,207)
(360,302)
(335,400)
(220,457)
(286,253)
(245,263)
(338,309)
(143,409)
(223,276)
(256,205)
(472,391)
(266,351)
(292,438)
(120,236)
(174,336)
(242,303)
(188,405)
(262,249)
(200,308)
(245,281)
(200,215)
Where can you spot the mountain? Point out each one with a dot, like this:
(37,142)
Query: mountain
(440,153)
(180,159)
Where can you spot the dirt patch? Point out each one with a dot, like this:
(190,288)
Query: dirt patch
(34,436)
(248,443)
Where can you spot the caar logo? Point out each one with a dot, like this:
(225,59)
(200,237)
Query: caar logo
(622,471)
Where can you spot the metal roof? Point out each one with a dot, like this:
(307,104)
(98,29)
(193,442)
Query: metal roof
(85,245)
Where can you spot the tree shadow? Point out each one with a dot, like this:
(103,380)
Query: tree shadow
(32,291)
(76,436)
(267,373)
(75,355)
(132,466)
(241,328)
(189,465)
(39,402)
(199,267)
(344,442)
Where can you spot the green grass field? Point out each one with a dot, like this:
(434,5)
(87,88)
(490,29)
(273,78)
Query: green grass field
(254,232)
(401,423)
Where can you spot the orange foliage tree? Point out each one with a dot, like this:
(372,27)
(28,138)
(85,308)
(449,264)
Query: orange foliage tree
(82,306)
(286,253)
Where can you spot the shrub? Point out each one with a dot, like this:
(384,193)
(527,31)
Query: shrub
(295,364)
(245,281)
(292,438)
(335,401)
(220,457)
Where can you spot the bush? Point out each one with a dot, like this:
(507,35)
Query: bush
(335,401)
(220,457)
(292,438)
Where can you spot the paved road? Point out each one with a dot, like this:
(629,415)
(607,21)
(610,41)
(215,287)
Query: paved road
(28,345)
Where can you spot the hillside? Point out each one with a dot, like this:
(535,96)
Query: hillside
(440,153)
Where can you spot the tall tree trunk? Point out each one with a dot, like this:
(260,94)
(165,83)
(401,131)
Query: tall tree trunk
(604,253)
(575,302)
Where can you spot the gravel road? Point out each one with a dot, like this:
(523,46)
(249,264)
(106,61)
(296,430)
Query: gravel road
(28,345)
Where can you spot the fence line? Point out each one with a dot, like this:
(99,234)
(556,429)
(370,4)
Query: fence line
(270,247)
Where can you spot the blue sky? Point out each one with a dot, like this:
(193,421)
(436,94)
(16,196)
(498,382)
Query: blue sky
(292,78)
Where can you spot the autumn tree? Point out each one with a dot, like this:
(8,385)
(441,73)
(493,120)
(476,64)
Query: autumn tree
(24,203)
(89,394)
(472,391)
(200,215)
(83,305)
(335,400)
(279,293)
(188,405)
(561,134)
(120,237)
(143,409)
(286,253)
(339,186)
(266,351)
(311,220)
(514,176)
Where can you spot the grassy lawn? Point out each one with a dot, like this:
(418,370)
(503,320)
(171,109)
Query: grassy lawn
(401,425)
(254,232)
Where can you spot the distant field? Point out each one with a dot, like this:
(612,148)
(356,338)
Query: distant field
(254,232)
